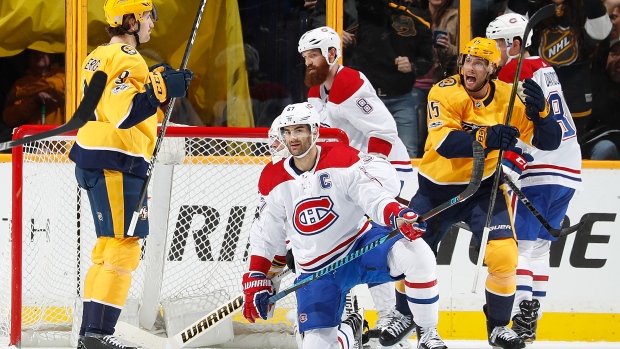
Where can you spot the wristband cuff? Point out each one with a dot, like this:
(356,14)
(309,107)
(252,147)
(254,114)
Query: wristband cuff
(260,264)
(546,112)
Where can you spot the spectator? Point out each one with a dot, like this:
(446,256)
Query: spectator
(575,29)
(613,11)
(39,96)
(268,97)
(445,17)
(318,19)
(394,47)
(603,139)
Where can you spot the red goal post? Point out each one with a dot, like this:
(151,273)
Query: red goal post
(201,204)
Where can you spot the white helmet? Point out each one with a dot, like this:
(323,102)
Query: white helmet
(301,114)
(322,38)
(507,27)
(276,145)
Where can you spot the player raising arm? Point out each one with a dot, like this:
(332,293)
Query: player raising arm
(548,181)
(112,154)
(461,108)
(323,193)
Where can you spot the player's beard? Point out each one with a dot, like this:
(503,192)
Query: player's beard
(318,75)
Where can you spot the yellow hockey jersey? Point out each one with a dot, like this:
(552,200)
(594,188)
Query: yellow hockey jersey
(450,108)
(123,135)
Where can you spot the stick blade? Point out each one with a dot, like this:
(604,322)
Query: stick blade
(558,233)
(138,336)
(92,96)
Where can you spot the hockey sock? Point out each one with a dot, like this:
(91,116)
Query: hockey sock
(402,305)
(423,298)
(501,257)
(524,284)
(383,296)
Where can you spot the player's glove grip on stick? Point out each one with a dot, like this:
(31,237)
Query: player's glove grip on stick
(165,82)
(406,220)
(515,162)
(536,106)
(257,288)
(497,136)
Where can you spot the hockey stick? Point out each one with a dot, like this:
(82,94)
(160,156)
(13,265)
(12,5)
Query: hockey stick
(82,115)
(164,124)
(545,12)
(472,187)
(182,339)
(553,231)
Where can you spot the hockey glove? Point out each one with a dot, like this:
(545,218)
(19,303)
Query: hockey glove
(497,136)
(167,83)
(515,162)
(406,220)
(256,289)
(290,260)
(536,106)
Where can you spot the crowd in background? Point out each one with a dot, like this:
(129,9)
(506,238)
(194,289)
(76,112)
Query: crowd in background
(402,46)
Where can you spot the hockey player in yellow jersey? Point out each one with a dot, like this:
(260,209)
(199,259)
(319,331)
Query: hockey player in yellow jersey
(473,105)
(112,153)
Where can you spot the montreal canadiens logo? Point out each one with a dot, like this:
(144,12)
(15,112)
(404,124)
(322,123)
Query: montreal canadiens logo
(314,215)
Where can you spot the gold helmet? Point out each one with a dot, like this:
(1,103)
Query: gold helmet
(116,9)
(483,48)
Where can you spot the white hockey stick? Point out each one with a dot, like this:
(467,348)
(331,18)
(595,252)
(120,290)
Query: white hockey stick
(541,14)
(182,339)
(82,115)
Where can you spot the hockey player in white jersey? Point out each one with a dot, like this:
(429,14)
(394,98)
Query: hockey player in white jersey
(346,100)
(324,192)
(548,181)
(354,320)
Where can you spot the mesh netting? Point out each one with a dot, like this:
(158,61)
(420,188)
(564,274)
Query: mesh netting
(202,201)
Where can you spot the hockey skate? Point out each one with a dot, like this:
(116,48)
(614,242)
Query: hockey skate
(105,342)
(429,339)
(502,336)
(525,323)
(399,328)
(384,319)
(351,307)
(356,321)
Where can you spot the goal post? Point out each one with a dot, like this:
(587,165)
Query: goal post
(202,202)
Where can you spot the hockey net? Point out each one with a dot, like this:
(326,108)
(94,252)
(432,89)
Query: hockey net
(202,200)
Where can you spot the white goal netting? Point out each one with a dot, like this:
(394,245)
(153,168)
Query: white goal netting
(202,201)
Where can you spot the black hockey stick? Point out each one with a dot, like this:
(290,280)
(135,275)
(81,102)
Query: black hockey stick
(543,13)
(164,124)
(553,231)
(472,187)
(82,115)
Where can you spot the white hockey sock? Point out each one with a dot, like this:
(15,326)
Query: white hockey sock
(540,268)
(383,296)
(524,284)
(423,298)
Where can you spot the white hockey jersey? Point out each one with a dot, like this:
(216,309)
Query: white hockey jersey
(352,105)
(322,211)
(563,165)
